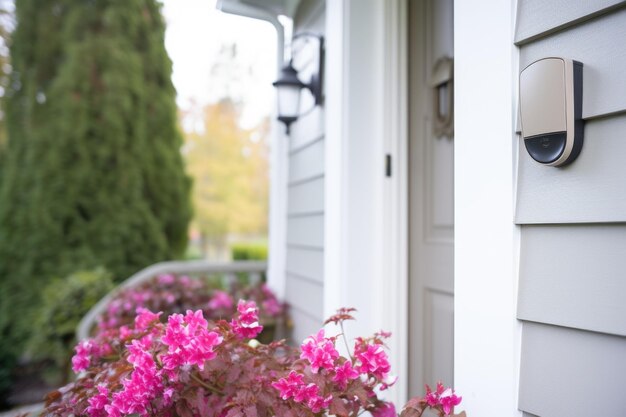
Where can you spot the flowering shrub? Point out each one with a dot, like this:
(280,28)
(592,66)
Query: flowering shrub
(442,401)
(171,294)
(188,367)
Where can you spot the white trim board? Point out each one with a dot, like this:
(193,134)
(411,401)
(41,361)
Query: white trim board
(365,212)
(395,209)
(487,333)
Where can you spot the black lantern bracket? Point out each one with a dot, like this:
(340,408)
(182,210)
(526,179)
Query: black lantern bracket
(289,79)
(315,83)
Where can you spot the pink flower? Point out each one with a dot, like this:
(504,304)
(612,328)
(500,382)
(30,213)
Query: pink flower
(345,373)
(166,279)
(293,386)
(168,393)
(185,281)
(145,317)
(98,402)
(82,358)
(271,304)
(319,351)
(385,410)
(125,332)
(189,341)
(373,359)
(246,325)
(195,320)
(272,307)
(442,397)
(221,300)
(112,411)
(290,385)
(449,400)
(432,398)
(306,393)
(139,354)
(144,384)
(317,403)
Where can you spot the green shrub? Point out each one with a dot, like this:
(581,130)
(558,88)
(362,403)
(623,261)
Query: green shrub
(249,251)
(64,303)
(92,173)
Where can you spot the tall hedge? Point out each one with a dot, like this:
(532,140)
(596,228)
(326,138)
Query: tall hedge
(93,174)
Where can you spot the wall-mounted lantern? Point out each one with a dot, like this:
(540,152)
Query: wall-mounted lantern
(289,86)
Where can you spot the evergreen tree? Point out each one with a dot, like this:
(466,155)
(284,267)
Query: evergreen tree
(93,173)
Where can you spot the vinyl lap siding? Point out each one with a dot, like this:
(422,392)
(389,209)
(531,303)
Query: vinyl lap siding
(305,192)
(573,224)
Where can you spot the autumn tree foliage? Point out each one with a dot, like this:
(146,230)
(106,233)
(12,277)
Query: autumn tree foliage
(92,173)
(229,167)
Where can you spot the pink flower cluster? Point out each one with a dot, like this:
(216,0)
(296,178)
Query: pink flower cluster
(442,397)
(86,351)
(221,300)
(319,351)
(188,341)
(293,386)
(188,367)
(271,305)
(372,359)
(385,410)
(246,324)
(144,384)
(174,294)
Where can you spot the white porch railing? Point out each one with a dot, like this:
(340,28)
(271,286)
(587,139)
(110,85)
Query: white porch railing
(228,270)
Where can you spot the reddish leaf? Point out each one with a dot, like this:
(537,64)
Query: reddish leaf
(342,315)
(411,412)
(250,411)
(183,410)
(52,397)
(234,412)
(338,408)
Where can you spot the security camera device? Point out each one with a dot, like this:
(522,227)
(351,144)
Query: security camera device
(551,107)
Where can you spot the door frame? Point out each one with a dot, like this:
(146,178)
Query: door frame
(396,215)
(366,260)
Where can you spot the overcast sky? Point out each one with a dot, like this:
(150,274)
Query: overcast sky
(196,32)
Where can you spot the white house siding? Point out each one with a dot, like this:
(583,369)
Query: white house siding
(573,236)
(305,190)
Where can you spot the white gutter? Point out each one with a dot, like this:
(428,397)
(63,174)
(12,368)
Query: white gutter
(277,236)
(254,12)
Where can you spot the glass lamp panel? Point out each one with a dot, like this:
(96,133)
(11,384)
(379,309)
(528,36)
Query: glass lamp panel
(288,100)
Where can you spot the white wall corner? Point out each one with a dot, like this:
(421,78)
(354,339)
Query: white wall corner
(487,333)
(277,224)
(336,92)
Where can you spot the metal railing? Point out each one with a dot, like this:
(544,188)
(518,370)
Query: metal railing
(229,271)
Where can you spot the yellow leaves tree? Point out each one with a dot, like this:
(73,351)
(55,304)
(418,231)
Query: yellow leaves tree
(229,167)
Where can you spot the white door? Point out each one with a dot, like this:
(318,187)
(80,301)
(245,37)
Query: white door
(431,190)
